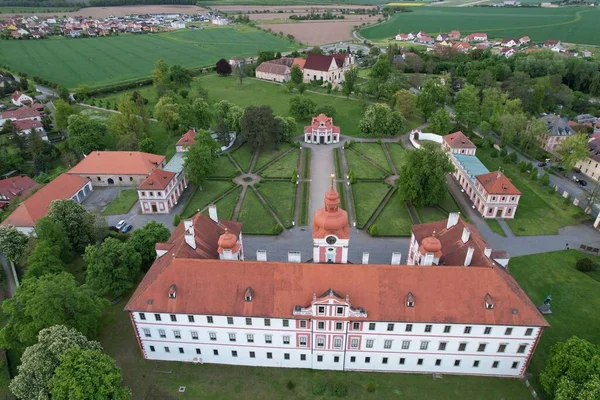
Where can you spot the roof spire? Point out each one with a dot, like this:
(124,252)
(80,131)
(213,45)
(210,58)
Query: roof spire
(332,176)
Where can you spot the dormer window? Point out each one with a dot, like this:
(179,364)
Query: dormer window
(248,294)
(410,300)
(172,291)
(489,301)
(321,310)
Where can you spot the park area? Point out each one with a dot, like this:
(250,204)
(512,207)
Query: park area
(569,24)
(99,62)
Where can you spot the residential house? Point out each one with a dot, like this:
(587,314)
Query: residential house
(524,40)
(425,40)
(402,37)
(476,37)
(20,114)
(21,99)
(454,35)
(16,186)
(585,118)
(550,43)
(507,52)
(25,127)
(590,166)
(462,46)
(420,34)
(558,130)
(328,68)
(510,42)
(442,37)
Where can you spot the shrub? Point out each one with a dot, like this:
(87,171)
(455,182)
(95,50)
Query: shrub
(319,388)
(352,177)
(371,387)
(567,200)
(494,153)
(513,157)
(290,385)
(176,219)
(534,175)
(503,152)
(545,179)
(523,166)
(340,389)
(277,229)
(373,230)
(585,265)
(506,159)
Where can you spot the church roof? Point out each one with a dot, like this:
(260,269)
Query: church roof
(331,219)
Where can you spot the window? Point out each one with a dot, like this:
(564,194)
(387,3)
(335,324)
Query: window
(286,356)
(267,322)
(528,331)
(447,328)
(269,355)
(488,330)
(120,179)
(286,340)
(248,321)
(215,352)
(321,310)
(371,326)
(462,347)
(495,364)
(198,351)
(321,325)
(167,350)
(405,344)
(337,343)
(370,343)
(338,326)
(302,357)
(367,360)
(268,339)
(442,346)
(384,360)
(475,363)
(521,348)
(173,318)
(209,319)
(457,363)
(157,317)
(438,362)
(212,335)
(152,349)
(303,324)
(502,348)
(427,328)
(354,343)
(408,328)
(514,365)
(402,360)
(481,347)
(390,327)
(420,361)
(181,350)
(336,359)
(302,340)
(250,338)
(131,179)
(147,332)
(320,342)
(319,358)
(142,316)
(339,310)
(356,326)
(352,359)
(286,323)
(387,344)
(177,334)
(162,333)
(252,354)
(232,337)
(191,318)
(230,320)
(467,329)
(508,331)
(424,345)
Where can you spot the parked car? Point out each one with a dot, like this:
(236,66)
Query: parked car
(576,179)
(577,170)
(582,182)
(542,164)
(113,228)
(126,228)
(121,224)
(560,168)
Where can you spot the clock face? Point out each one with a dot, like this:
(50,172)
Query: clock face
(331,240)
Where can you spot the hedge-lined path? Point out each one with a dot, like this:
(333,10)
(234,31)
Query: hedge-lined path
(393,166)
(234,162)
(267,206)
(240,181)
(299,181)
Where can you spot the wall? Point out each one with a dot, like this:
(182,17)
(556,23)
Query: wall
(424,136)
(589,168)
(102,180)
(272,77)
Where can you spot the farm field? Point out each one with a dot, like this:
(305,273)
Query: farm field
(98,62)
(569,24)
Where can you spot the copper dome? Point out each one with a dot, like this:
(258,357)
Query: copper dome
(227,240)
(431,245)
(331,219)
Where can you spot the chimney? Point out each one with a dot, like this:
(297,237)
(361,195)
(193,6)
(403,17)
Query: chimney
(365,257)
(428,260)
(452,220)
(212,213)
(466,235)
(261,255)
(469,256)
(189,233)
(294,257)
(396,258)
(487,252)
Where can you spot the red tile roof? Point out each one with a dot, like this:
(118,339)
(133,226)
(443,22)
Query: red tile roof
(118,163)
(299,62)
(15,186)
(36,207)
(157,179)
(322,118)
(497,183)
(320,62)
(26,124)
(459,140)
(21,113)
(187,139)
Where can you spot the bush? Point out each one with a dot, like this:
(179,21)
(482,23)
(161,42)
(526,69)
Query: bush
(513,157)
(534,175)
(371,387)
(176,219)
(585,265)
(545,179)
(340,389)
(319,388)
(277,229)
(494,153)
(373,230)
(567,200)
(503,152)
(523,166)
(290,385)
(351,177)
(506,159)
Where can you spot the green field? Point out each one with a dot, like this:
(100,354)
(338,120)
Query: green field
(122,203)
(36,10)
(106,61)
(569,24)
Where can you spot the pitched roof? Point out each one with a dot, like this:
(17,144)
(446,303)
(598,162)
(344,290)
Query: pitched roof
(459,140)
(187,139)
(16,186)
(320,62)
(557,126)
(157,179)
(26,124)
(299,62)
(322,118)
(497,183)
(273,68)
(36,207)
(217,287)
(21,113)
(118,162)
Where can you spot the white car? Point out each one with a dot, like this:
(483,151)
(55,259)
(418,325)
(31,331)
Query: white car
(120,224)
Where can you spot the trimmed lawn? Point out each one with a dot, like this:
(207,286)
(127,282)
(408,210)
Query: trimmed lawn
(367,196)
(341,189)
(495,226)
(394,219)
(225,168)
(449,204)
(430,214)
(122,203)
(575,299)
(283,168)
(205,195)
(281,197)
(374,152)
(226,205)
(304,200)
(397,152)
(243,156)
(361,167)
(256,218)
(269,154)
(539,212)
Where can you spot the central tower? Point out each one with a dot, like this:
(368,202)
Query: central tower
(331,232)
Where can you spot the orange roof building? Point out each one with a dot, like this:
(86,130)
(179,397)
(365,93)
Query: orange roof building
(322,130)
(331,231)
(187,139)
(458,142)
(14,187)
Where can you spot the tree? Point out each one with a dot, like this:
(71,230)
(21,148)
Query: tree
(440,122)
(572,150)
(545,179)
(423,175)
(179,75)
(326,109)
(381,70)
(466,106)
(112,267)
(87,374)
(296,76)
(406,101)
(288,128)
(55,235)
(433,96)
(229,114)
(534,132)
(46,301)
(302,107)
(85,134)
(44,260)
(349,83)
(144,239)
(240,70)
(265,56)
(572,370)
(197,89)
(166,112)
(63,93)
(75,220)
(12,242)
(62,111)
(260,127)
(128,125)
(380,120)
(198,114)
(223,68)
(161,78)
(201,157)
(148,145)
(40,360)
(509,125)
(315,50)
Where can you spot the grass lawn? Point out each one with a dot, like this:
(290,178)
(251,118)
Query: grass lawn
(267,155)
(374,152)
(243,156)
(394,219)
(539,212)
(367,196)
(205,195)
(495,226)
(226,205)
(341,189)
(397,152)
(575,299)
(284,167)
(122,203)
(256,218)
(304,203)
(430,214)
(361,167)
(225,168)
(281,196)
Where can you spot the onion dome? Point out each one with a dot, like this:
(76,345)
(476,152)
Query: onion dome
(227,241)
(431,245)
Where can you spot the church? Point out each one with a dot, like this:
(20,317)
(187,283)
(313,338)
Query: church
(202,301)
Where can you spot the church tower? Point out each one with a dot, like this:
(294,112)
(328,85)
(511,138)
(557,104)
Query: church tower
(331,232)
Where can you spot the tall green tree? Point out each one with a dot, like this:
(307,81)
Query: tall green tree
(198,114)
(406,102)
(440,122)
(534,132)
(572,150)
(380,120)
(166,112)
(510,126)
(128,125)
(85,134)
(148,145)
(240,70)
(302,107)
(55,235)
(259,127)
(144,239)
(349,83)
(62,111)
(12,242)
(197,89)
(381,70)
(46,301)
(161,78)
(288,128)
(201,157)
(76,221)
(423,175)
(296,75)
(44,260)
(466,106)
(434,95)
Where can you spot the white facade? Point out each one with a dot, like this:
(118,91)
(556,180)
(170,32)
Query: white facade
(334,74)
(330,250)
(22,100)
(162,201)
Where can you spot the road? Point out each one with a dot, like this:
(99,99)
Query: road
(11,285)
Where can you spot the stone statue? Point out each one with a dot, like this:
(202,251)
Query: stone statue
(548,300)
(545,308)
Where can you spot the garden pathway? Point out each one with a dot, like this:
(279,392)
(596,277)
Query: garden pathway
(245,183)
(300,171)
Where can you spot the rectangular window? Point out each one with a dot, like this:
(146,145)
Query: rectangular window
(249,321)
(528,331)
(252,354)
(352,359)
(177,334)
(321,325)
(442,346)
(286,356)
(408,328)
(356,326)
(390,327)
(495,364)
(467,329)
(319,358)
(438,362)
(427,328)
(230,320)
(481,347)
(212,336)
(514,365)
(167,350)
(157,317)
(462,347)
(286,323)
(181,350)
(457,363)
(521,348)
(268,339)
(191,318)
(302,340)
(508,331)
(303,324)
(198,351)
(337,343)
(502,348)
(387,344)
(371,326)
(338,326)
(384,360)
(209,319)
(250,338)
(232,337)
(354,343)
(339,310)
(321,310)
(488,330)
(269,355)
(267,322)
(476,364)
(420,361)
(402,361)
(367,360)
(370,343)
(320,342)
(336,359)
(424,345)
(152,348)
(142,316)
(162,333)
(302,357)
(405,344)
(173,318)
(215,352)
(286,340)
(147,332)
(447,328)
